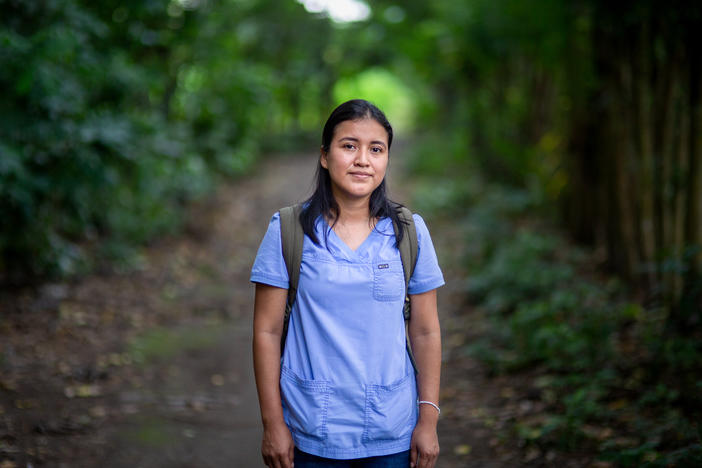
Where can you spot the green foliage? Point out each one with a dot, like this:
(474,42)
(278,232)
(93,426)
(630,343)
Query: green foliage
(613,381)
(384,89)
(117,113)
(528,254)
(499,80)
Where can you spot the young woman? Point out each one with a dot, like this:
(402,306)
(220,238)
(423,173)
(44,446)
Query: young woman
(344,393)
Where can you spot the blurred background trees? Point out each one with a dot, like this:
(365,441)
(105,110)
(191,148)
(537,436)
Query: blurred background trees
(116,113)
(593,105)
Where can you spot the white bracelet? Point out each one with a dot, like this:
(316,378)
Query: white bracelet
(432,404)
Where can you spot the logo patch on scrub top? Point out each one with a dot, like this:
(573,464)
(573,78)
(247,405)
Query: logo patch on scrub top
(383,266)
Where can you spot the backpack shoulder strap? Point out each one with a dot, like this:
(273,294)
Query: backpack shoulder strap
(408,254)
(292,238)
(409,245)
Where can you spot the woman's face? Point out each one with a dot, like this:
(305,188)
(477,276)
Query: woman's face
(357,158)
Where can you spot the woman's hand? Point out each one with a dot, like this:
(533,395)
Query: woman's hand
(424,448)
(277,447)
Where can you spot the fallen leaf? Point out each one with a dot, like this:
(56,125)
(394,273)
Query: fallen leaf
(130,408)
(8,384)
(115,359)
(596,432)
(26,403)
(198,405)
(107,316)
(98,412)
(601,464)
(101,361)
(618,404)
(217,380)
(64,368)
(463,449)
(626,441)
(531,455)
(82,391)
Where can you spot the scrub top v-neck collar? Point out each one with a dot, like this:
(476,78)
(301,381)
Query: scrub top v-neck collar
(360,252)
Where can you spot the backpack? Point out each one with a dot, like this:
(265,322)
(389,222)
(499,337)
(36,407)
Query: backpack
(292,238)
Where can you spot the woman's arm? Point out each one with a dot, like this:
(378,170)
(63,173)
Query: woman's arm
(425,337)
(269,309)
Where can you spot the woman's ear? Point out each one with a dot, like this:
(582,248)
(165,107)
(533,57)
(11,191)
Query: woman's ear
(323,158)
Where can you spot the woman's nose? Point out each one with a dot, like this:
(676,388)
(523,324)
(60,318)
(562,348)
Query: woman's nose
(362,157)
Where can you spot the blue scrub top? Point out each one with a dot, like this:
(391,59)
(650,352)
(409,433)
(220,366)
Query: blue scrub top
(347,384)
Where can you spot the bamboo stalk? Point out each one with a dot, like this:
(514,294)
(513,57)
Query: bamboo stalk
(664,153)
(693,231)
(677,203)
(645,159)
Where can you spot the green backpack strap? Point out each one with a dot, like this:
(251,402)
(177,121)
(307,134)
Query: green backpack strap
(292,238)
(408,253)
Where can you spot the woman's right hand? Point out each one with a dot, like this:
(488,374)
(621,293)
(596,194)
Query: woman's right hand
(277,447)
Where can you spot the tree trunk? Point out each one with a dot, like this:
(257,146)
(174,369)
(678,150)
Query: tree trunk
(648,136)
(691,301)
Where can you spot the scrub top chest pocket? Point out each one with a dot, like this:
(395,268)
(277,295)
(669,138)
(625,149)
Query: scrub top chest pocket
(388,281)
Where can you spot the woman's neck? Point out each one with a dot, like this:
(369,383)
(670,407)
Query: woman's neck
(353,223)
(353,211)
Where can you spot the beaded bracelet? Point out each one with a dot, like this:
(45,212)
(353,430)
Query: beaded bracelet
(432,404)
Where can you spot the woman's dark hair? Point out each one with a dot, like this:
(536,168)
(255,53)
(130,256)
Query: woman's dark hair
(322,201)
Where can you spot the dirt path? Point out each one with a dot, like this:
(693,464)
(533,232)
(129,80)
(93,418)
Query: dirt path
(150,368)
(153,368)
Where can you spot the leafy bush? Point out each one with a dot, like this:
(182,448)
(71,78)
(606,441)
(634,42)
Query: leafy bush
(613,380)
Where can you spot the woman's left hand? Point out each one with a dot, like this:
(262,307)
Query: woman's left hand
(424,449)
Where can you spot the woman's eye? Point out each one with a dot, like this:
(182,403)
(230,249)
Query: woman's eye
(348,146)
(377,149)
